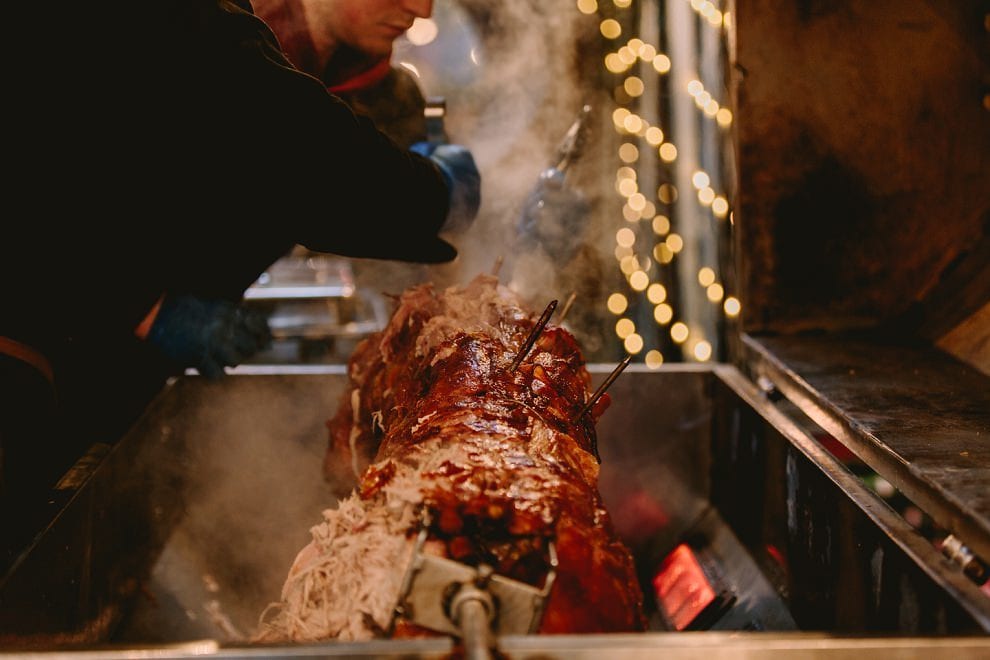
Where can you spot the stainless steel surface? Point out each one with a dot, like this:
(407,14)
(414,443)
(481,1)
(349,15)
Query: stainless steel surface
(244,455)
(304,276)
(287,292)
(329,318)
(689,646)
(316,311)
(918,417)
(903,535)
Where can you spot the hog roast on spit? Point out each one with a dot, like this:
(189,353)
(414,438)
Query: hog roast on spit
(458,432)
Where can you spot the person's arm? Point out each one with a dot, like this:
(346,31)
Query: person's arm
(334,181)
(208,334)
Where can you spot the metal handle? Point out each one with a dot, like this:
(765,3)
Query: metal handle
(434,112)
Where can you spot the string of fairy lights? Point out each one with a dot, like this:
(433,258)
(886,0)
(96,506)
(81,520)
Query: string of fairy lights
(642,269)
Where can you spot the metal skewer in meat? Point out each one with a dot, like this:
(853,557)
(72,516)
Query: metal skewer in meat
(499,461)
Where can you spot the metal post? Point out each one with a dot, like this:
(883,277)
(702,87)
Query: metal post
(691,220)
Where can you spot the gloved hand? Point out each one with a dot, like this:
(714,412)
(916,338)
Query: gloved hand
(554,216)
(208,334)
(462,177)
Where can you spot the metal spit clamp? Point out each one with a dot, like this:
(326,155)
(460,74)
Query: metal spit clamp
(451,597)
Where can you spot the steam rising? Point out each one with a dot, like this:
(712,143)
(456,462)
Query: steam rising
(512,113)
(252,488)
(514,77)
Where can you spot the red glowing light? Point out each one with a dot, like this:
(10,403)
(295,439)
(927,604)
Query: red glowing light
(683,591)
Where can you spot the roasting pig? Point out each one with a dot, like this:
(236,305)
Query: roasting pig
(443,429)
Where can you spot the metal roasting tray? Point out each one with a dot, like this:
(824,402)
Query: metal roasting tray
(183,533)
(304,277)
(315,309)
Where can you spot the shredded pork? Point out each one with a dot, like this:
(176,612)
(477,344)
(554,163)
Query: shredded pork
(437,422)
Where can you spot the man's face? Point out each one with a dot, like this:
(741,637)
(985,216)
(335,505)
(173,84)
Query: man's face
(371,26)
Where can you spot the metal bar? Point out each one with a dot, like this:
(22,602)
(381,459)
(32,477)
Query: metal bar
(534,335)
(299,292)
(567,307)
(601,389)
(474,619)
(683,32)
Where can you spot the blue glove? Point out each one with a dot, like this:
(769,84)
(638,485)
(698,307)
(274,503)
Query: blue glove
(462,177)
(208,334)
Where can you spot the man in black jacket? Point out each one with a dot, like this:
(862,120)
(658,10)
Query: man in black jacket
(162,155)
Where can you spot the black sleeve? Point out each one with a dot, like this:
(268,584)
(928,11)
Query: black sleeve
(318,170)
(185,117)
(152,142)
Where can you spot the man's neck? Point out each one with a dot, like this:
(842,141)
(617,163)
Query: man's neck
(296,25)
(347,63)
(352,69)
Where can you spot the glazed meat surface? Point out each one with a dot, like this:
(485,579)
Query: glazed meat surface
(437,426)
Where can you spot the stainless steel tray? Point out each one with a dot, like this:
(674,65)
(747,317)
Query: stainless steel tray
(186,530)
(304,277)
(315,309)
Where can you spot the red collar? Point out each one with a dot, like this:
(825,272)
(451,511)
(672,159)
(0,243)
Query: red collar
(364,79)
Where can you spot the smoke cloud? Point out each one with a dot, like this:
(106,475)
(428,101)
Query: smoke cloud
(249,459)
(510,104)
